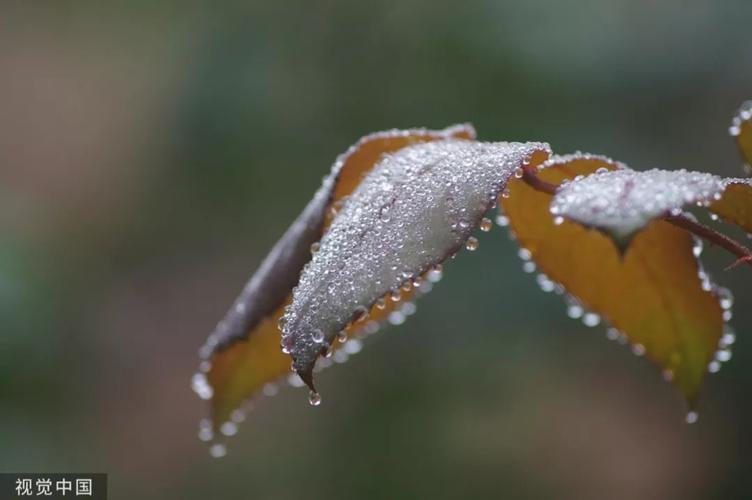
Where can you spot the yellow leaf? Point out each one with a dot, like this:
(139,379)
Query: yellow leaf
(735,205)
(653,294)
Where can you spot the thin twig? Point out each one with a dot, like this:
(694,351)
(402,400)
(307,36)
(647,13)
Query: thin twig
(743,254)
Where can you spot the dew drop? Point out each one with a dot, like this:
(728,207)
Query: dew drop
(318,336)
(574,311)
(396,318)
(217,450)
(502,220)
(486,224)
(723,355)
(205,432)
(691,417)
(201,387)
(314,398)
(315,247)
(472,243)
(229,429)
(591,319)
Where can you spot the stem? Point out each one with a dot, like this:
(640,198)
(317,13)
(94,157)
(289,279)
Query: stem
(530,176)
(743,254)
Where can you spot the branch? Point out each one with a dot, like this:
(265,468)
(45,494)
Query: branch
(743,254)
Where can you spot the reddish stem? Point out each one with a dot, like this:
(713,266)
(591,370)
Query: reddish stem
(530,176)
(743,254)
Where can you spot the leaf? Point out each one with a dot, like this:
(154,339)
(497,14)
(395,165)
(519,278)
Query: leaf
(242,356)
(623,201)
(414,209)
(655,296)
(735,205)
(741,130)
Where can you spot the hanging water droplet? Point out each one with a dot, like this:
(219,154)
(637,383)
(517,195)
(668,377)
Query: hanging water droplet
(396,296)
(217,450)
(396,318)
(229,429)
(591,319)
(485,224)
(472,243)
(200,385)
(502,220)
(205,432)
(315,247)
(574,311)
(314,398)
(723,356)
(381,303)
(638,349)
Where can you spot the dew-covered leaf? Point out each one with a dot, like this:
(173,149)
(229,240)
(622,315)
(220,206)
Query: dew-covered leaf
(242,357)
(735,205)
(655,296)
(410,212)
(741,130)
(623,201)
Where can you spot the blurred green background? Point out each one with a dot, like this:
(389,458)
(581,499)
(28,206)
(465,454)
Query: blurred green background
(152,152)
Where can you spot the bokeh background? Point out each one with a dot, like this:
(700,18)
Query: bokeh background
(152,152)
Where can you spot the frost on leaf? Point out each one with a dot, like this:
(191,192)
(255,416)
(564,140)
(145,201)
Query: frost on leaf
(414,209)
(741,130)
(242,357)
(621,202)
(656,297)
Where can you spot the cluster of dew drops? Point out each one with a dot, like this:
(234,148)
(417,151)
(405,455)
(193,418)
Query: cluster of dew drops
(421,284)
